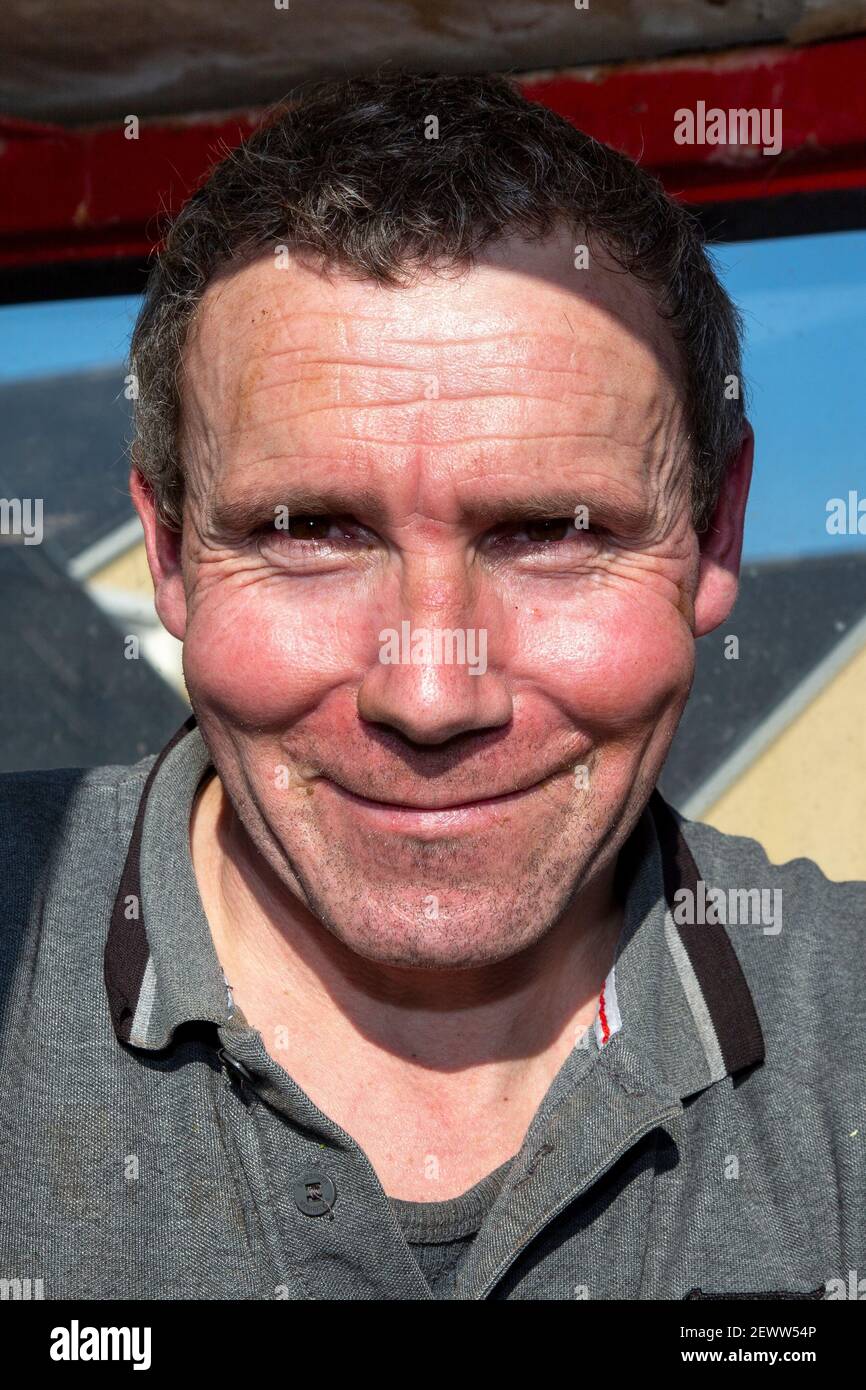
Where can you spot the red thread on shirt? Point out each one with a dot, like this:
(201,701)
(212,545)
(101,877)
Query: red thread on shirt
(605,1028)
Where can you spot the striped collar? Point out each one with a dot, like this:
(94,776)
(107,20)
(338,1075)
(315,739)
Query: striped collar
(161,967)
(676,1002)
(676,998)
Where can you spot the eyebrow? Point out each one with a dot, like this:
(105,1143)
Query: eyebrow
(238,515)
(235,515)
(559,502)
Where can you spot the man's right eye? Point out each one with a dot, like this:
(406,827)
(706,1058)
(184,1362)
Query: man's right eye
(307,540)
(308,528)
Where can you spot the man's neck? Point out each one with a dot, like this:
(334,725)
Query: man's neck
(417,1065)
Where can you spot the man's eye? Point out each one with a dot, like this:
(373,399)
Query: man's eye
(548,528)
(309,528)
(306,526)
(307,540)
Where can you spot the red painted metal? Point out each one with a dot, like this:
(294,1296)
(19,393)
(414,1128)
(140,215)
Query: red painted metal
(70,195)
(80,194)
(820,91)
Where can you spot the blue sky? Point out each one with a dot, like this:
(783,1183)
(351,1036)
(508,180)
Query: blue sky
(804,303)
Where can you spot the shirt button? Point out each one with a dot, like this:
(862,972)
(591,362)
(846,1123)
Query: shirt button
(314,1192)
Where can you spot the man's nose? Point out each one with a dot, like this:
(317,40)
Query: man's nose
(437,671)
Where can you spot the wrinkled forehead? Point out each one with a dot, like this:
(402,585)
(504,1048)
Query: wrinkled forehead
(530,329)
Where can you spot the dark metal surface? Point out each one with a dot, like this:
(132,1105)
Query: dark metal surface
(64,440)
(68,695)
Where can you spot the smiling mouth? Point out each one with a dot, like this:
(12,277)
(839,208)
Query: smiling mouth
(502,798)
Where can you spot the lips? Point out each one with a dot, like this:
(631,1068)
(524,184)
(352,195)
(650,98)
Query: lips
(492,800)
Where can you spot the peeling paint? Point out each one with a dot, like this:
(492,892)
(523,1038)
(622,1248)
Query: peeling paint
(835,19)
(80,62)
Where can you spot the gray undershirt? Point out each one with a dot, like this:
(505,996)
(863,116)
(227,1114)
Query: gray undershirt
(440,1233)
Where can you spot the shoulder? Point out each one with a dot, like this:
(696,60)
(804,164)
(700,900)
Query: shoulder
(805,955)
(59,830)
(34,803)
(808,895)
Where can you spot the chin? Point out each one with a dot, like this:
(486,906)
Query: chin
(460,938)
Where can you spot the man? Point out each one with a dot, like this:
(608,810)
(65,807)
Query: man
(393,977)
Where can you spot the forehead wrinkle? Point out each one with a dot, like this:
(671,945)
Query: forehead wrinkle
(349,331)
(366,389)
(385,389)
(447,390)
(569,358)
(409,441)
(279,438)
(352,328)
(355,320)
(540,272)
(364,386)
(345,399)
(536,350)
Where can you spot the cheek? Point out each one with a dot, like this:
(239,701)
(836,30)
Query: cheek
(617,662)
(614,658)
(260,660)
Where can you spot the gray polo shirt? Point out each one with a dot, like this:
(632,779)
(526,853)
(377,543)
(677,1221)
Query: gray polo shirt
(708,1133)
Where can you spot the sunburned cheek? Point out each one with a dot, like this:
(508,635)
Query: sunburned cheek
(613,667)
(265,662)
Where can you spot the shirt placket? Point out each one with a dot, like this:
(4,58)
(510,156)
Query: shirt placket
(564,1161)
(330,1229)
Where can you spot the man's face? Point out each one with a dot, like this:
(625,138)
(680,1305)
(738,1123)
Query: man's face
(444,437)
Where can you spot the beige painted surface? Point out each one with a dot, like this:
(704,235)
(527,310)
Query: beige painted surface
(806,793)
(128,578)
(128,571)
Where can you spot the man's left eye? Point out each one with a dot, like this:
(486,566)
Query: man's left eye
(548,528)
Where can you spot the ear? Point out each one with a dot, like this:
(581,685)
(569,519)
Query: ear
(722,543)
(163,546)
